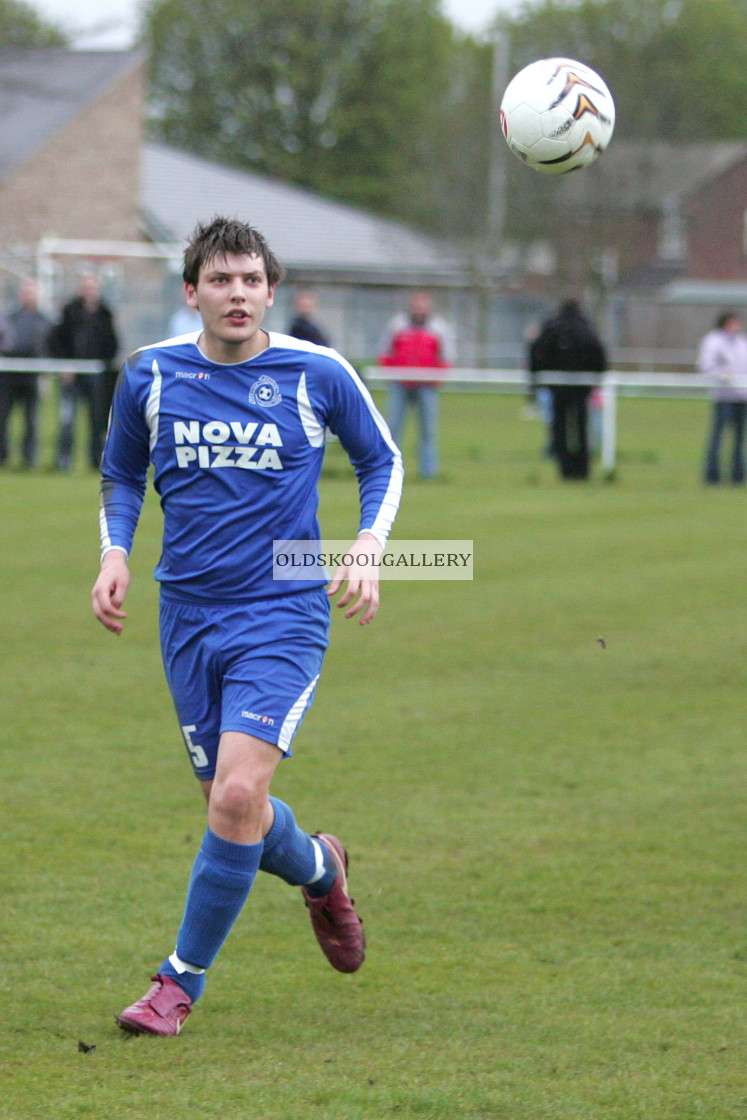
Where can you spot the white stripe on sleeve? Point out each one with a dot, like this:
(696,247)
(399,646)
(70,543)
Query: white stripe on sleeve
(153,406)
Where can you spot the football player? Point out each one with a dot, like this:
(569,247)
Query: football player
(233,419)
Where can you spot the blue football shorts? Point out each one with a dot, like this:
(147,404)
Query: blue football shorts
(250,667)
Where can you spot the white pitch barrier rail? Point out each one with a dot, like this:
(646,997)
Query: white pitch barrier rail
(49,365)
(640,384)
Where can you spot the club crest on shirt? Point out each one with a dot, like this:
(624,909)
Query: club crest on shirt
(265,392)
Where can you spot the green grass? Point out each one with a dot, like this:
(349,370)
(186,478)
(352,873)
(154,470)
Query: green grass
(547,834)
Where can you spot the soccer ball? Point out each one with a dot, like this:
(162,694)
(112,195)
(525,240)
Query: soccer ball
(557,115)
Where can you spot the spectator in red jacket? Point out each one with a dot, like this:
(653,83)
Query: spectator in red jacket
(418,339)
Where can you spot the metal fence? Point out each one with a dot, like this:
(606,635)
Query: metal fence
(611,384)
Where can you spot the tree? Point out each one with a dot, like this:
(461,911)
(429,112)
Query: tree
(21,26)
(384,104)
(363,99)
(675,67)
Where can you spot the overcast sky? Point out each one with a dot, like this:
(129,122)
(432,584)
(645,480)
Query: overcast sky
(110,24)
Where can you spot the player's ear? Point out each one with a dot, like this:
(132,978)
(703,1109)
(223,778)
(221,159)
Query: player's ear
(271,294)
(190,294)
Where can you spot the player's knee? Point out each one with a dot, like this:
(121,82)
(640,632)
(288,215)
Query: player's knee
(239,797)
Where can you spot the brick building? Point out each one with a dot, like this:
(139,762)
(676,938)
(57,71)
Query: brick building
(662,210)
(70,141)
(715,216)
(661,230)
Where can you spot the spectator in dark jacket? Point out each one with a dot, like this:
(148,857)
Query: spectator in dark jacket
(303,325)
(569,343)
(23,334)
(85,331)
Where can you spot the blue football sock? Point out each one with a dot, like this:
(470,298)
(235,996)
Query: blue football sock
(222,876)
(293,855)
(190,982)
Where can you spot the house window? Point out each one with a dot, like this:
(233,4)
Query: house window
(672,239)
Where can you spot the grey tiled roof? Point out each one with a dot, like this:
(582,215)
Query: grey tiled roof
(306,230)
(42,89)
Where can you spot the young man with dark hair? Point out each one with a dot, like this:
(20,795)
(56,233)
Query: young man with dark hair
(233,419)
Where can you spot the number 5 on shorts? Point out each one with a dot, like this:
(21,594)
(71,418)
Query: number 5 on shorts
(196,753)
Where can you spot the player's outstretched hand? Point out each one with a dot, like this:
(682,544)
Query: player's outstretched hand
(362,577)
(109,591)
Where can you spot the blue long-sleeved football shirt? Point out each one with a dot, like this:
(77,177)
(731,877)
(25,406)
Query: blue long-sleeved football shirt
(237,452)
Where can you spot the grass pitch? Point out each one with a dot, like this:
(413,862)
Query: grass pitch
(546,830)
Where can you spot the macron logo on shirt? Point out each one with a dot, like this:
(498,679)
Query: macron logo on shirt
(215,443)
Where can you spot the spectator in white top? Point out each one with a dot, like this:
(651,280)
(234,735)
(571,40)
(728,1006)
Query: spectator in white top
(723,356)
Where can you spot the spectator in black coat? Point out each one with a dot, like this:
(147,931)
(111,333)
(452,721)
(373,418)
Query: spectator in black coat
(302,325)
(568,342)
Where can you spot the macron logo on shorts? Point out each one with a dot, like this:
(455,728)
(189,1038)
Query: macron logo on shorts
(267,720)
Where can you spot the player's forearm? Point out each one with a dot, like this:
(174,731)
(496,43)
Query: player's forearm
(118,515)
(380,494)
